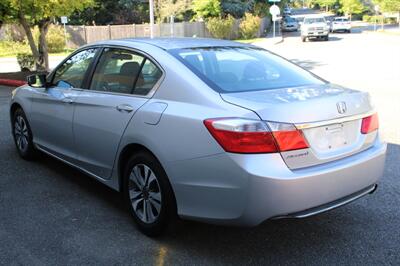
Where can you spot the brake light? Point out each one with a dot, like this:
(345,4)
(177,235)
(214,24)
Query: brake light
(288,137)
(369,124)
(253,136)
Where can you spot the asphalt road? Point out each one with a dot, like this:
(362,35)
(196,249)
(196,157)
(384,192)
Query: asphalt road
(52,214)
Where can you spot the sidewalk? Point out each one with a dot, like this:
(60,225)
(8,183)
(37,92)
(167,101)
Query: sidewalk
(9,64)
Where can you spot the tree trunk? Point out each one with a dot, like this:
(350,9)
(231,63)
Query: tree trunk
(43,60)
(29,35)
(40,51)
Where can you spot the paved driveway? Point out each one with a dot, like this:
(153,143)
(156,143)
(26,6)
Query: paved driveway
(52,214)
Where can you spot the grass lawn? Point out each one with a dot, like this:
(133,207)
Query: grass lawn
(251,40)
(11,49)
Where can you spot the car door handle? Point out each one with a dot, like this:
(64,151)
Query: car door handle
(67,100)
(125,107)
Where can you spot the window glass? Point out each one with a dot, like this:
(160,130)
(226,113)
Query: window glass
(72,72)
(313,20)
(116,71)
(236,69)
(148,77)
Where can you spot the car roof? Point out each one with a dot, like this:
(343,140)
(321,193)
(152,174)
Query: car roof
(178,43)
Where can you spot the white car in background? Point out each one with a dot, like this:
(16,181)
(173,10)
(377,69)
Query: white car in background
(314,27)
(341,24)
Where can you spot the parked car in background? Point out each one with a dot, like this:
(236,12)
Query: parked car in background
(204,129)
(314,27)
(287,11)
(289,24)
(341,24)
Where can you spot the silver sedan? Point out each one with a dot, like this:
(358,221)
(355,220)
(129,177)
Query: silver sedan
(202,129)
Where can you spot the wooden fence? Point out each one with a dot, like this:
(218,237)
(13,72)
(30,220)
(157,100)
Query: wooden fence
(80,35)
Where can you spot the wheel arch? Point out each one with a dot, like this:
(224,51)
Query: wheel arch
(14,107)
(124,155)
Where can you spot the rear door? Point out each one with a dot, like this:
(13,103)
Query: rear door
(120,85)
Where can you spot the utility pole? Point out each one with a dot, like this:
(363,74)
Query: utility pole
(151,9)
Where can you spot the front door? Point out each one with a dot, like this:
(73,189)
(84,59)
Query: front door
(53,107)
(117,90)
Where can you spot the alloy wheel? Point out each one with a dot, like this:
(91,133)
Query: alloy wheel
(145,193)
(21,133)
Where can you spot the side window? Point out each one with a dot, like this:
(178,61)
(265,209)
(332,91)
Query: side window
(72,72)
(116,71)
(148,77)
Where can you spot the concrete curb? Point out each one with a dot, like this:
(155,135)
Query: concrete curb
(12,82)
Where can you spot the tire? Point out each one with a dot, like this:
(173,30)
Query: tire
(152,206)
(303,39)
(22,135)
(348,31)
(326,38)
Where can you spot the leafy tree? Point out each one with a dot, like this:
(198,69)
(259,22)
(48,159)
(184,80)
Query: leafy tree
(326,3)
(261,9)
(206,8)
(105,12)
(40,13)
(172,8)
(350,7)
(237,8)
(389,6)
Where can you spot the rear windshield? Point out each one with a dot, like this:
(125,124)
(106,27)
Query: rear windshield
(313,20)
(239,69)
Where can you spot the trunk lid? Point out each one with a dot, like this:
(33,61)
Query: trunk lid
(329,116)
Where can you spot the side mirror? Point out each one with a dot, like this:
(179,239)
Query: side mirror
(37,81)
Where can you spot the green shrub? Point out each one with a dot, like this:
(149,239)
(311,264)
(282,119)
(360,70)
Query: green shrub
(366,18)
(26,61)
(11,48)
(249,26)
(378,19)
(220,28)
(55,38)
(391,20)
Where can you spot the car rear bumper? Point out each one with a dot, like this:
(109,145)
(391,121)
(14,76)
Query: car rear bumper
(246,190)
(286,28)
(341,27)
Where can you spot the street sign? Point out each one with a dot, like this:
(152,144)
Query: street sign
(274,10)
(64,20)
(274,1)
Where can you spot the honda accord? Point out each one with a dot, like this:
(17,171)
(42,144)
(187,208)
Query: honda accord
(203,129)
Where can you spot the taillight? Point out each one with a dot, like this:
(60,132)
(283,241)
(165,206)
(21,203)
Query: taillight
(287,136)
(369,124)
(239,135)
